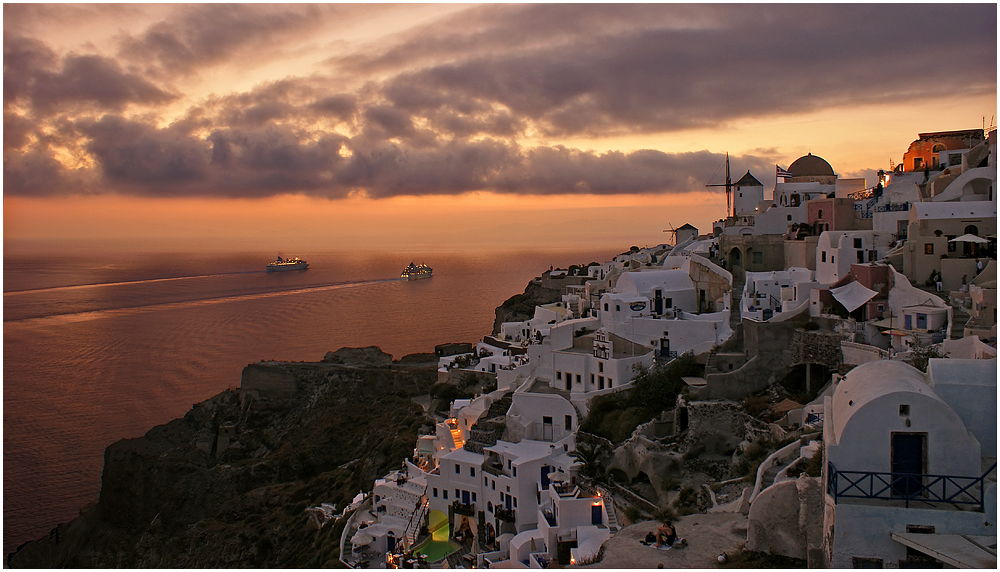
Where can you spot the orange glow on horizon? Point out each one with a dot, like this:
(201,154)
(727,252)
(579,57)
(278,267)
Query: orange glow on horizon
(471,221)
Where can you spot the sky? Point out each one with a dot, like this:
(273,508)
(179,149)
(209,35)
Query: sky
(331,127)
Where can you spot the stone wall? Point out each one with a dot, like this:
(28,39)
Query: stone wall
(787,519)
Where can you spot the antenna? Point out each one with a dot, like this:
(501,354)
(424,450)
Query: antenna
(730,207)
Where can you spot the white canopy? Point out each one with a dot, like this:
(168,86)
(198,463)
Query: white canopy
(969,238)
(853,295)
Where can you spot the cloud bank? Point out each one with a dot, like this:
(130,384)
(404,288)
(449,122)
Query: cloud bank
(453,105)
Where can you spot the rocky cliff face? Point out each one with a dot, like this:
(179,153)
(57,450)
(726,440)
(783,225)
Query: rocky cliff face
(227,485)
(521,307)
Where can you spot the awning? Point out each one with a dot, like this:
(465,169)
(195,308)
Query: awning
(969,238)
(958,550)
(853,295)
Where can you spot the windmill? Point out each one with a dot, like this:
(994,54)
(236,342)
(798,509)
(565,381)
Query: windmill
(673,232)
(730,208)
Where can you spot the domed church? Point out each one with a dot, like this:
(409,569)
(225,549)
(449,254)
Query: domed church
(811,169)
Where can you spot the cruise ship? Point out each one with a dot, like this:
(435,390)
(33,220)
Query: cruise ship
(285,264)
(416,271)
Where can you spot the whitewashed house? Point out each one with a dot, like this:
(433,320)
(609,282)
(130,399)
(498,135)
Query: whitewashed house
(768,295)
(911,465)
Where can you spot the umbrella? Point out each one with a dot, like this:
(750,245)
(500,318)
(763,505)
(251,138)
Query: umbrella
(969,238)
(361,538)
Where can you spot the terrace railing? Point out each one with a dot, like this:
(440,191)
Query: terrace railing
(952,490)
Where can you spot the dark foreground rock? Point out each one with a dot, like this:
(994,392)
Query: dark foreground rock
(227,485)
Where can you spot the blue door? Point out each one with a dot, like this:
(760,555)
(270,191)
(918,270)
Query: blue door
(597,514)
(907,462)
(545,477)
(907,322)
(921,321)
(465,497)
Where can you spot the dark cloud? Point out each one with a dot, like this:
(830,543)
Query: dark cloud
(206,34)
(139,158)
(33,74)
(450,102)
(753,62)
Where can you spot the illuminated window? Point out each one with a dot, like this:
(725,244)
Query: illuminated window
(928,248)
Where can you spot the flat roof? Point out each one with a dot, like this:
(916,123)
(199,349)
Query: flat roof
(958,550)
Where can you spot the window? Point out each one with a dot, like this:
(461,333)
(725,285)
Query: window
(668,302)
(600,382)
(579,378)
(489,506)
(918,163)
(493,485)
(952,246)
(788,218)
(559,375)
(458,469)
(820,214)
(609,382)
(458,494)
(515,502)
(857,243)
(514,471)
(832,259)
(600,367)
(822,256)
(758,257)
(591,379)
(618,308)
(473,496)
(435,492)
(444,494)
(904,409)
(472,471)
(569,422)
(880,307)
(928,248)
(508,468)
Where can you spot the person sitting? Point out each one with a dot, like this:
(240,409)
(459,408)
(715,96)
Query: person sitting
(666,535)
(650,538)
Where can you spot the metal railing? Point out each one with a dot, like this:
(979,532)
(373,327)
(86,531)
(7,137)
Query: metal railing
(908,487)
(892,208)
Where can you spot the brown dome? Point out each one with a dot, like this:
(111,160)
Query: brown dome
(810,166)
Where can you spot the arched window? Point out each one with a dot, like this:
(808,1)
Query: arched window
(820,214)
(972,229)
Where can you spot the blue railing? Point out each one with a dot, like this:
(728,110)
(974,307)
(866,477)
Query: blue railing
(892,208)
(907,487)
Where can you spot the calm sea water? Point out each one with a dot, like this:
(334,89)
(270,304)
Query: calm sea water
(101,347)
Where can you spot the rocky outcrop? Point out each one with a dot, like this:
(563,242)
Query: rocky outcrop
(227,485)
(787,519)
(521,307)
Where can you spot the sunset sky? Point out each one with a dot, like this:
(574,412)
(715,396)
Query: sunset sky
(454,126)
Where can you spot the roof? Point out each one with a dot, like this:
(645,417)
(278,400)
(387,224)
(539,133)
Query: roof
(963,371)
(810,166)
(853,295)
(687,226)
(646,281)
(749,180)
(957,550)
(524,451)
(872,380)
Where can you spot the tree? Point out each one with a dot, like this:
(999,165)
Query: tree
(589,454)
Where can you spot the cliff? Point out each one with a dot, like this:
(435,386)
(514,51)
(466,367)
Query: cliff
(227,484)
(520,307)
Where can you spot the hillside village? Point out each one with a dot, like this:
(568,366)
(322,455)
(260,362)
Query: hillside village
(822,362)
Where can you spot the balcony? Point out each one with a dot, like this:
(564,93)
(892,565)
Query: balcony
(953,492)
(504,514)
(463,509)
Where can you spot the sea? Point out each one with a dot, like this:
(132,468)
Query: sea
(100,346)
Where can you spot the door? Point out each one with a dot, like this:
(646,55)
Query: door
(921,321)
(664,347)
(907,322)
(907,462)
(545,477)
(546,428)
(465,497)
(597,514)
(657,302)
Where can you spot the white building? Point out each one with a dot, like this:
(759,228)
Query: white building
(837,250)
(911,465)
(767,295)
